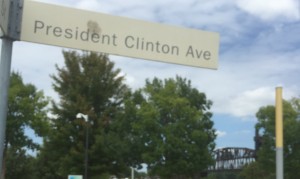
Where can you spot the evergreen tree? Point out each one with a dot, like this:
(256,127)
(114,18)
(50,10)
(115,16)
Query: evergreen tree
(87,84)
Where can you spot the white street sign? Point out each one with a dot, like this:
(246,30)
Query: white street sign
(79,29)
(4,13)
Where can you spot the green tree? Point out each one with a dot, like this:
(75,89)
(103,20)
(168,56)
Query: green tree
(223,175)
(255,170)
(291,127)
(20,164)
(168,125)
(26,110)
(87,84)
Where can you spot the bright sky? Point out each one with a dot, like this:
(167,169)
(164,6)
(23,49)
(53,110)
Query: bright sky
(259,50)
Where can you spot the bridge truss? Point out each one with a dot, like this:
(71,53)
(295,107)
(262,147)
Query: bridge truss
(232,158)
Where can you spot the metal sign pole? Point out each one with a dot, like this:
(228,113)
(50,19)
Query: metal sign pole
(5,65)
(279,134)
(11,12)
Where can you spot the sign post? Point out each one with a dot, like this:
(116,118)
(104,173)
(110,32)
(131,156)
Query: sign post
(4,13)
(5,63)
(6,52)
(10,13)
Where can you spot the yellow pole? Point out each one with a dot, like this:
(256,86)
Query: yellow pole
(279,115)
(279,134)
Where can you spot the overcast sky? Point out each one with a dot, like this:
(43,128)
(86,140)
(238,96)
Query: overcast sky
(259,50)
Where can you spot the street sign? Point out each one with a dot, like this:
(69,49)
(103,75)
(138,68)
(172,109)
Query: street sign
(74,176)
(4,13)
(99,32)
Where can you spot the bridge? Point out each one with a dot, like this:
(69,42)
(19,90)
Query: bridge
(231,159)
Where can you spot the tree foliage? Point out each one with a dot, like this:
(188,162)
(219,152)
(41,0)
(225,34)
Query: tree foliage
(166,125)
(19,164)
(87,84)
(266,126)
(26,110)
(170,125)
